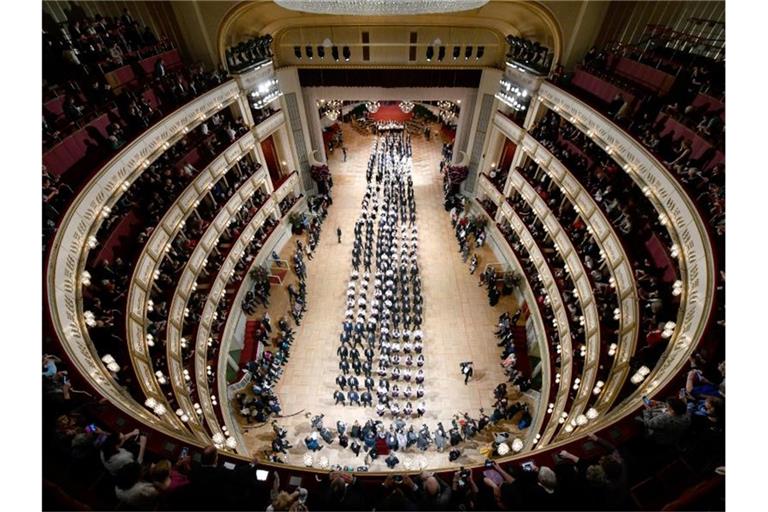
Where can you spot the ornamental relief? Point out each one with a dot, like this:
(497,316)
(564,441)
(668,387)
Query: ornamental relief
(685,225)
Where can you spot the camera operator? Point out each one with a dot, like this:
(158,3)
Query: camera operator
(465,490)
(466,370)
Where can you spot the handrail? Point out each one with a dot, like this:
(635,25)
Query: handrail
(684,224)
(264,254)
(216,292)
(544,346)
(575,268)
(582,284)
(195,264)
(76,236)
(609,243)
(151,259)
(558,308)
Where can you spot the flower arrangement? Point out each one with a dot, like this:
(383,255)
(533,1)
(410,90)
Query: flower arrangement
(456,174)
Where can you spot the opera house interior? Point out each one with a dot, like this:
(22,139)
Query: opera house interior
(382,255)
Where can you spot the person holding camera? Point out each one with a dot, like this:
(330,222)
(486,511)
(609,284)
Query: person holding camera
(467,371)
(465,490)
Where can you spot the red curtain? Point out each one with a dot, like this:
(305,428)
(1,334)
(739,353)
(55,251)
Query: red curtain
(272,160)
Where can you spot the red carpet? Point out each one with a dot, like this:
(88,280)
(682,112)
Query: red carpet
(391,112)
(250,345)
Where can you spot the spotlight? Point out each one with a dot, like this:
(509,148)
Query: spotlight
(480,52)
(430,53)
(335,53)
(456,52)
(441,53)
(308,51)
(321,52)
(297,51)
(467,52)
(347,54)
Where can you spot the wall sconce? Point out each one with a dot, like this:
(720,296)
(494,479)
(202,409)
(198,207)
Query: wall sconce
(581,420)
(598,387)
(85,278)
(592,413)
(517,445)
(502,449)
(90,318)
(91,242)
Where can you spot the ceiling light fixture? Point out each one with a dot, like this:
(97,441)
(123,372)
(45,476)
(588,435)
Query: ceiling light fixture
(380,7)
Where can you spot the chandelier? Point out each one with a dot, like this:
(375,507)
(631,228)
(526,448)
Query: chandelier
(380,7)
(406,106)
(372,106)
(447,110)
(330,109)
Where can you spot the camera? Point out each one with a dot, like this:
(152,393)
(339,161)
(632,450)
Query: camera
(488,463)
(398,479)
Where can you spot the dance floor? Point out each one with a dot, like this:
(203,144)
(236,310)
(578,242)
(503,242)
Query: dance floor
(458,322)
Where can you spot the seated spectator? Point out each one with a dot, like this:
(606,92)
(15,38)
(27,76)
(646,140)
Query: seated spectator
(132,491)
(435,493)
(667,422)
(344,493)
(284,501)
(166,478)
(114,456)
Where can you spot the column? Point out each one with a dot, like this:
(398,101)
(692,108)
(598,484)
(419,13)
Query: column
(535,112)
(315,127)
(244,108)
(484,106)
(463,126)
(517,160)
(494,143)
(292,104)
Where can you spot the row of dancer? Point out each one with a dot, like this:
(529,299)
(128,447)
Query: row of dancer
(382,327)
